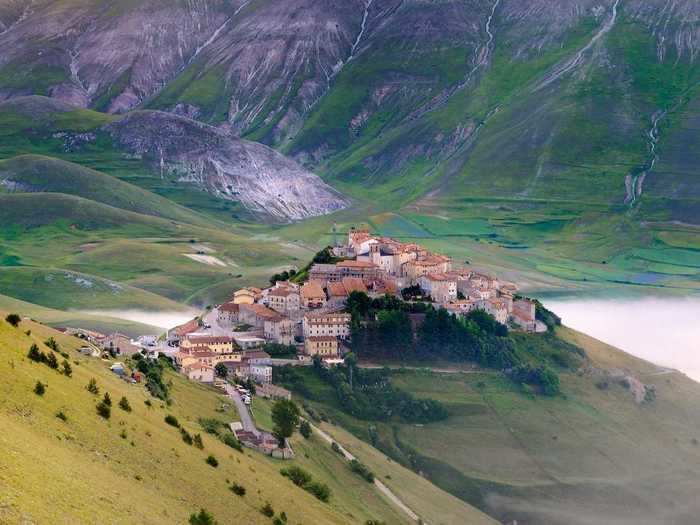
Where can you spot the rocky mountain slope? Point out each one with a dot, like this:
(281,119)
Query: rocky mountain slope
(573,98)
(168,148)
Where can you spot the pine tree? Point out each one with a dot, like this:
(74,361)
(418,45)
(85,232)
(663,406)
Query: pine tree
(34,354)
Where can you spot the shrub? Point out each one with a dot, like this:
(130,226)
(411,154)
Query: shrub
(61,415)
(238,490)
(39,388)
(13,319)
(305,429)
(267,510)
(202,518)
(320,490)
(67,369)
(52,344)
(107,400)
(362,471)
(186,437)
(212,461)
(336,448)
(92,387)
(124,404)
(198,441)
(35,355)
(210,425)
(172,421)
(297,475)
(122,434)
(148,403)
(52,361)
(231,441)
(104,410)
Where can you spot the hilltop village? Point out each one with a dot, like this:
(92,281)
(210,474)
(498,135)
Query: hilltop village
(307,319)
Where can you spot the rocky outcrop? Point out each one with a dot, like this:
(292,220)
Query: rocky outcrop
(212,159)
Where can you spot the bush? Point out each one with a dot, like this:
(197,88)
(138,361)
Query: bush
(124,404)
(267,510)
(40,388)
(186,437)
(198,441)
(210,425)
(297,475)
(61,415)
(320,490)
(202,518)
(52,361)
(212,461)
(104,410)
(52,344)
(305,429)
(35,355)
(336,448)
(92,387)
(172,421)
(13,319)
(231,441)
(107,400)
(148,403)
(238,490)
(362,471)
(67,369)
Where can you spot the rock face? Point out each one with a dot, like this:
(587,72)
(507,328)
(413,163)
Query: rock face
(264,181)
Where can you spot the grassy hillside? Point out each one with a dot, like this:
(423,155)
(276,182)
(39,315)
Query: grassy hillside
(590,455)
(35,173)
(135,451)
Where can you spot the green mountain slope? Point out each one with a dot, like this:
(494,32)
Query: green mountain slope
(34,173)
(590,455)
(137,451)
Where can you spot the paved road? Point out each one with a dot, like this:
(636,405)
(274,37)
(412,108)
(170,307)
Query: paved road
(243,412)
(380,486)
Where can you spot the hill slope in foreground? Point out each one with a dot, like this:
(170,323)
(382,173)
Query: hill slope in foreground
(594,454)
(134,468)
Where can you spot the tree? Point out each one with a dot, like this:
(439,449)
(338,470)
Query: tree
(103,410)
(67,369)
(221,371)
(51,361)
(285,416)
(13,319)
(202,518)
(305,429)
(124,404)
(52,344)
(107,400)
(198,441)
(39,388)
(212,461)
(35,355)
(92,387)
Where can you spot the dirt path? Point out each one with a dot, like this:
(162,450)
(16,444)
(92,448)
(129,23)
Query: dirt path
(380,486)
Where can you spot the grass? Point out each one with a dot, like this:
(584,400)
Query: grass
(173,480)
(512,454)
(48,174)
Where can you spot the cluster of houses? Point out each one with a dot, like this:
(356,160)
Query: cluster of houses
(309,317)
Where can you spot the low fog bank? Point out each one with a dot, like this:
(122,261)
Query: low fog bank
(164,320)
(665,331)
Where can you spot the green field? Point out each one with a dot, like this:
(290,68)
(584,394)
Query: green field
(591,451)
